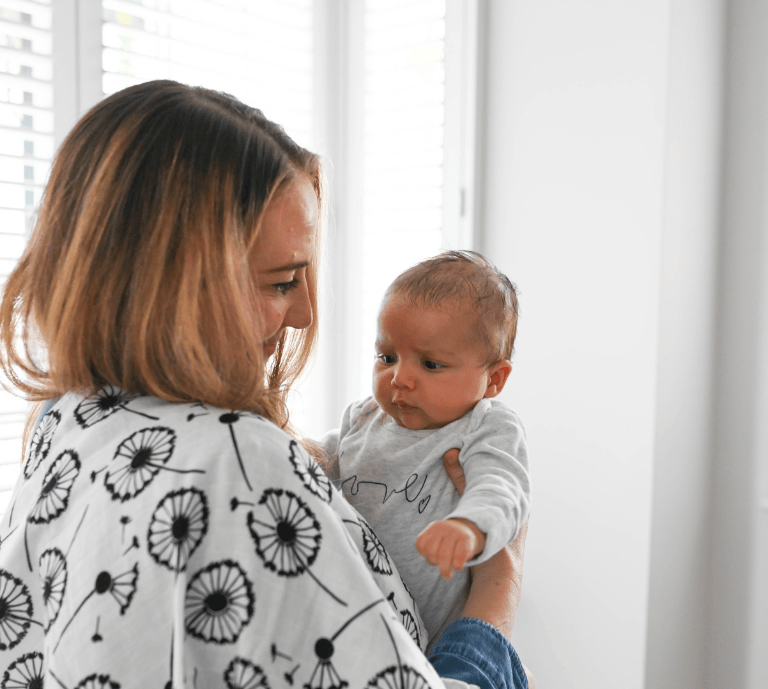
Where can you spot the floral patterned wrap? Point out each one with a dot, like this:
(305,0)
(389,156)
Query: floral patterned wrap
(150,544)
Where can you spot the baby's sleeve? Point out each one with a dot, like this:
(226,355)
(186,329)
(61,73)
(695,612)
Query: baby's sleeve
(494,457)
(330,443)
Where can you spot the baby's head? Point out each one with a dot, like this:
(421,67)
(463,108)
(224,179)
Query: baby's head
(446,333)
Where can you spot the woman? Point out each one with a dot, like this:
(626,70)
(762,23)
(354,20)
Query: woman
(168,529)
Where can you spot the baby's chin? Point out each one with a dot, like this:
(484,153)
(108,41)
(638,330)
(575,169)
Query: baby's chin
(413,419)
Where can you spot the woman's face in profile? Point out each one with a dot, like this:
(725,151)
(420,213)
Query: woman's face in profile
(280,258)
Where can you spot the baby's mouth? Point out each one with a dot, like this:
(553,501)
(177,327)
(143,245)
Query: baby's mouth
(405,407)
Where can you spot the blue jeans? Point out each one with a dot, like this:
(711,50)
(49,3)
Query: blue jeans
(475,652)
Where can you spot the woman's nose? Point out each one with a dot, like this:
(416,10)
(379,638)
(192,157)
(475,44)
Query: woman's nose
(299,315)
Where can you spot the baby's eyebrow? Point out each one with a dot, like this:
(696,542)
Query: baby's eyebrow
(436,353)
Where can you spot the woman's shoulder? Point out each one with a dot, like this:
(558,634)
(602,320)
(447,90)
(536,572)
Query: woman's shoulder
(144,428)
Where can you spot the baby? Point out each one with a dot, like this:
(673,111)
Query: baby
(446,331)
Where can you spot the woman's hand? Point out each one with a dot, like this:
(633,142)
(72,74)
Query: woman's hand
(496,583)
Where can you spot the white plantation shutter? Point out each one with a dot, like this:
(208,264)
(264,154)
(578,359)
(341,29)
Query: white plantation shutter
(403,162)
(258,50)
(26,149)
(404,114)
(371,84)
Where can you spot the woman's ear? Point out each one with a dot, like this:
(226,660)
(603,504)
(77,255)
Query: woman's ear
(497,377)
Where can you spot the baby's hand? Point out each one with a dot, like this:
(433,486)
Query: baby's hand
(450,543)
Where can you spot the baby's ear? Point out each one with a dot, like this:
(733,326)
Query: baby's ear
(497,377)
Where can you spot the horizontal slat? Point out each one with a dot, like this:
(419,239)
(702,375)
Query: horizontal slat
(31,6)
(241,32)
(23,185)
(287,15)
(41,125)
(24,83)
(374,7)
(31,108)
(293,77)
(31,158)
(411,35)
(32,32)
(229,47)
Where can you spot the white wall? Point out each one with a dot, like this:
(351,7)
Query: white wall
(574,205)
(601,200)
(626,191)
(681,522)
(738,595)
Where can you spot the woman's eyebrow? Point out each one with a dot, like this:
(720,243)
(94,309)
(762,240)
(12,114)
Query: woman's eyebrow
(286,268)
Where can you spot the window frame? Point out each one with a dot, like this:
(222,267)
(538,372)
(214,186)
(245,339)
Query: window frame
(333,382)
(338,95)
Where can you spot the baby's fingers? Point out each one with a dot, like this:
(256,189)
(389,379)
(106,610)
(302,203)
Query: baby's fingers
(461,554)
(445,558)
(428,544)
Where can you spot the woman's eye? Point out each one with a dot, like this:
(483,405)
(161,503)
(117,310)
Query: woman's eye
(285,287)
(386,358)
(432,365)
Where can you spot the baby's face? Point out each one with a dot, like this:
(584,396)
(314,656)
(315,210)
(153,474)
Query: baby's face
(428,372)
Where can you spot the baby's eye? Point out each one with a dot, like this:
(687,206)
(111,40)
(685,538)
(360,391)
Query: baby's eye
(432,365)
(285,287)
(386,358)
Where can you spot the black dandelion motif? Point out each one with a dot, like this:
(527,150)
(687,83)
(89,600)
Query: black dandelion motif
(57,485)
(288,537)
(243,674)
(202,406)
(375,552)
(402,677)
(122,588)
(96,681)
(219,603)
(324,675)
(138,459)
(41,442)
(177,527)
(230,419)
(53,573)
(409,622)
(15,610)
(407,590)
(24,673)
(54,496)
(311,475)
(103,404)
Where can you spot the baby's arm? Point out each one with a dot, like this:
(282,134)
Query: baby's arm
(497,496)
(450,543)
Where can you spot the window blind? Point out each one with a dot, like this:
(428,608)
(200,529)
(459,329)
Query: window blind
(258,50)
(26,150)
(404,108)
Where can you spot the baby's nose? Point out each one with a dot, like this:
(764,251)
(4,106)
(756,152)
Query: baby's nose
(402,378)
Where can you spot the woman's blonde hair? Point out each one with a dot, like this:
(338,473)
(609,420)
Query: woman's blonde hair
(137,271)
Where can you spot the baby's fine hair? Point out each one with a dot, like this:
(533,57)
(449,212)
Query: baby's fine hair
(466,279)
